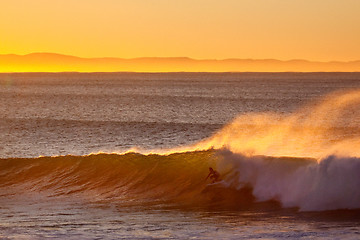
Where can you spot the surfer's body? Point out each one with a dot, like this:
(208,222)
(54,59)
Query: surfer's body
(214,175)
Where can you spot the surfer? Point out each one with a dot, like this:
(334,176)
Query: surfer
(214,175)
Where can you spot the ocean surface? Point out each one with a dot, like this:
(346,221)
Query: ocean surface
(126,155)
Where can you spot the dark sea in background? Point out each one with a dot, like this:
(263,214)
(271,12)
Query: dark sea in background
(70,193)
(78,113)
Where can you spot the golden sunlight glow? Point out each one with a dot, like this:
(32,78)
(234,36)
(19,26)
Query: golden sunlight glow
(318,30)
(316,131)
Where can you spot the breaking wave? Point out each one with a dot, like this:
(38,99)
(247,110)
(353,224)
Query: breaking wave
(307,184)
(308,160)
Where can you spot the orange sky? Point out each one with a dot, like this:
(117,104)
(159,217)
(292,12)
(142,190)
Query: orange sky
(321,30)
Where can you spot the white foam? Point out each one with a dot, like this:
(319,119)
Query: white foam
(330,184)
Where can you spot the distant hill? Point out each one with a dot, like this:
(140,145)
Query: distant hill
(51,62)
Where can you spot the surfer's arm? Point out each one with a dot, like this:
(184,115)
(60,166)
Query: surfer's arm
(208,176)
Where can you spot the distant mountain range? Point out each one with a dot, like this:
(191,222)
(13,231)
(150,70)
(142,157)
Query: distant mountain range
(51,62)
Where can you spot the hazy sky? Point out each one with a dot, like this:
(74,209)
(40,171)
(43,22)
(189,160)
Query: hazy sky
(213,29)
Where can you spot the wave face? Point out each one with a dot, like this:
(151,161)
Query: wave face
(130,178)
(180,179)
(113,177)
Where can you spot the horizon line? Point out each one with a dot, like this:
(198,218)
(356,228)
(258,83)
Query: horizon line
(184,57)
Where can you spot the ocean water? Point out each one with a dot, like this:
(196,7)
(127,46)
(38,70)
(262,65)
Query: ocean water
(125,155)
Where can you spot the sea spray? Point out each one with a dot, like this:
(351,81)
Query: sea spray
(329,126)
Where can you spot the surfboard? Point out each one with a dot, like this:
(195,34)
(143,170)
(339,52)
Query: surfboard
(216,185)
